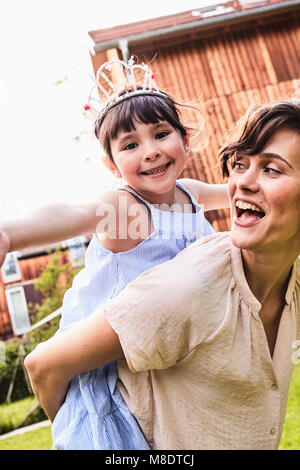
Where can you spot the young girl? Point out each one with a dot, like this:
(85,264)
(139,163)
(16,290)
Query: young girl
(147,221)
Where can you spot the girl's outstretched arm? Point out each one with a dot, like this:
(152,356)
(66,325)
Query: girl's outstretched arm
(4,245)
(210,196)
(49,224)
(52,365)
(57,222)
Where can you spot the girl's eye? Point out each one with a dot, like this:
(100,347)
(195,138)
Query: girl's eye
(162,134)
(130,146)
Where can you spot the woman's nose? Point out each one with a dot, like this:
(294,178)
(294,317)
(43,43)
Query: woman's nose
(248,181)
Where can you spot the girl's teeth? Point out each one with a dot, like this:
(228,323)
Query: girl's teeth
(158,170)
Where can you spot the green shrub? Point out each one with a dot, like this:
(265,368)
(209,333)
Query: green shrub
(55,279)
(20,389)
(53,282)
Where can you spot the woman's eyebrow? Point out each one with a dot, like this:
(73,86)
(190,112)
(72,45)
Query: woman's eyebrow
(275,155)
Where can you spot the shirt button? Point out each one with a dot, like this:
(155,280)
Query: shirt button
(273,431)
(274,388)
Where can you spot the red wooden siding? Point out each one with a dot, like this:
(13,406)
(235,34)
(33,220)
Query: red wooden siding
(228,68)
(230,72)
(30,269)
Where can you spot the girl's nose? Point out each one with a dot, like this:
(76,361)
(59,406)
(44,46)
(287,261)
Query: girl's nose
(151,153)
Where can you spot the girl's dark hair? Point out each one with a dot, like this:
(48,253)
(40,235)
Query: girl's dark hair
(147,109)
(258,126)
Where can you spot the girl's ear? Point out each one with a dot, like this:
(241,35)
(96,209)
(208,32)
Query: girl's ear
(111,166)
(186,141)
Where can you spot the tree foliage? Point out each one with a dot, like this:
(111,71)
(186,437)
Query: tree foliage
(55,279)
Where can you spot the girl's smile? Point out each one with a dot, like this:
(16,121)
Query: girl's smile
(157,171)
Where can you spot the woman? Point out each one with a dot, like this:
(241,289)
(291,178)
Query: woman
(204,341)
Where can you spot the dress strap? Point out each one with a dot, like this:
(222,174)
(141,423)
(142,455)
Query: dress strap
(134,193)
(155,213)
(197,206)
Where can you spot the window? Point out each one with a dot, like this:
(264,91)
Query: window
(10,268)
(18,310)
(77,250)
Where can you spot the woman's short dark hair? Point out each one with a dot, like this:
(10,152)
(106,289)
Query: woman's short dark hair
(258,126)
(147,109)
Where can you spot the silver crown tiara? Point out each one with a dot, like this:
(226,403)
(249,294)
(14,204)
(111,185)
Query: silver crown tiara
(101,99)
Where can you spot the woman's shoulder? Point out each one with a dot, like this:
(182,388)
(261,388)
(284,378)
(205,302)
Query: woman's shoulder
(205,259)
(218,243)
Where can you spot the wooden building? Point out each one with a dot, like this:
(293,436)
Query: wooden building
(231,56)
(17,276)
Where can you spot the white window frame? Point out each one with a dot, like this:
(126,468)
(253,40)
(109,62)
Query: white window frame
(11,290)
(71,243)
(12,277)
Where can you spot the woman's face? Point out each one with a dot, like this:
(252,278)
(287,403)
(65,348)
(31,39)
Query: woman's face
(265,196)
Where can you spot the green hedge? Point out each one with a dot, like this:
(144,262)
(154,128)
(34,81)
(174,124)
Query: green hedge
(20,389)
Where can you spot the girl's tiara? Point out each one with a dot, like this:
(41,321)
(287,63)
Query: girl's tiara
(117,81)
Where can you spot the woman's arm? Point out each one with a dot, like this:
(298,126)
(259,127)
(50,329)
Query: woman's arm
(88,345)
(210,196)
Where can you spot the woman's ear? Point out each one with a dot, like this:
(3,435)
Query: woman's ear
(111,166)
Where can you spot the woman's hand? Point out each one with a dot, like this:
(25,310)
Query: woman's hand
(4,245)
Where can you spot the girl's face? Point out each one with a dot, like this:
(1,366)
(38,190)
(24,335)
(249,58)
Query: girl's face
(149,158)
(265,196)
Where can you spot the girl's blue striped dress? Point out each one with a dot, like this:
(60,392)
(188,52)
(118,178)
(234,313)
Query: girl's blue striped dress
(94,414)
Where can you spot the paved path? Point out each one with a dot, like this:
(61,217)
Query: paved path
(32,427)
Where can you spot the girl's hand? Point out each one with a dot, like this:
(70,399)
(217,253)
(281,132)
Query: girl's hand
(4,245)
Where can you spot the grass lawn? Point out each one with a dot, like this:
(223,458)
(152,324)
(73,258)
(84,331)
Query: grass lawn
(12,414)
(290,439)
(40,439)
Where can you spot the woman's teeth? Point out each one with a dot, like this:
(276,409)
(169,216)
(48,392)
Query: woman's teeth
(247,206)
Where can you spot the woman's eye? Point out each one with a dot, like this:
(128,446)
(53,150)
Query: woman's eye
(272,171)
(238,165)
(130,146)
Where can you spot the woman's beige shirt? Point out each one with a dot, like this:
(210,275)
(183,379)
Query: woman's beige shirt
(198,372)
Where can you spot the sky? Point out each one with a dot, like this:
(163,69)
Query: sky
(47,149)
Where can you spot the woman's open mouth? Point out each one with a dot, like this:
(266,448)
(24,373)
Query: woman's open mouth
(157,171)
(247,214)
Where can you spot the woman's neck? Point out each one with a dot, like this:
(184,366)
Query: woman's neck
(267,274)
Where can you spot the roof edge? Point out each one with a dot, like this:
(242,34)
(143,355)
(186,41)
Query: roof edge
(207,23)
